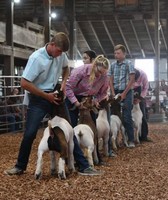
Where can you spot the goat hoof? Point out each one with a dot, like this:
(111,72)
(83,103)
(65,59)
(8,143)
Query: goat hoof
(61,176)
(37,176)
(53,172)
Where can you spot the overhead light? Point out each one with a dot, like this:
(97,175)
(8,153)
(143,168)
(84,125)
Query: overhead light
(53,15)
(16,1)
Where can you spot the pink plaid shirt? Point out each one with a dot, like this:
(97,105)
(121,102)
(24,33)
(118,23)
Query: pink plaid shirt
(78,84)
(143,82)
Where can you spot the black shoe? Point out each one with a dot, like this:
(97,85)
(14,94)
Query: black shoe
(146,140)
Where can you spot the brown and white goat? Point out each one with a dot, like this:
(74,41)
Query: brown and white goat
(86,131)
(116,124)
(57,138)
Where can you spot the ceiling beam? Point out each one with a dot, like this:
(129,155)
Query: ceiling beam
(147,29)
(136,35)
(96,36)
(75,39)
(80,30)
(108,33)
(121,32)
(163,36)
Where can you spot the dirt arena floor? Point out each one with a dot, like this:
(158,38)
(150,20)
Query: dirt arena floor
(135,174)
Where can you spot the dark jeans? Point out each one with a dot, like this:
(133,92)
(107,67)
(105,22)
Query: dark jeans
(110,134)
(144,129)
(37,109)
(127,105)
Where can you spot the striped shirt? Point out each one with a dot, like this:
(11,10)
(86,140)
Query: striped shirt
(120,72)
(79,84)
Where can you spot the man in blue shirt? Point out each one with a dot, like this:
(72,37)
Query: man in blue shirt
(39,78)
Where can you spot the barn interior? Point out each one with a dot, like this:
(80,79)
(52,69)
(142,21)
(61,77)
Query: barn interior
(140,25)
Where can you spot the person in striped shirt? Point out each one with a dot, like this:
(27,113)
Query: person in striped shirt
(122,78)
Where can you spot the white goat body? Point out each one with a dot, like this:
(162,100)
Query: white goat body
(117,126)
(103,129)
(137,120)
(86,119)
(85,137)
(43,147)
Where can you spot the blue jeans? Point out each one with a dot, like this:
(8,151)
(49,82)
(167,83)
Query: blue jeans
(144,128)
(127,105)
(110,134)
(37,109)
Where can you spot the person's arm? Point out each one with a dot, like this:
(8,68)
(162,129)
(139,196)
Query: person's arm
(145,86)
(73,83)
(129,86)
(65,75)
(29,86)
(111,81)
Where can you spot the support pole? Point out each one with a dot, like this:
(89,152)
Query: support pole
(157,57)
(47,20)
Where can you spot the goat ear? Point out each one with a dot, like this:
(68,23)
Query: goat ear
(137,96)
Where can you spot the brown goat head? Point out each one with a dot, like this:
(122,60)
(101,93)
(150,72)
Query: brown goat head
(87,102)
(103,104)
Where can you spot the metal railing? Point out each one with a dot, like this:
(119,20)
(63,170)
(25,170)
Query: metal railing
(12,116)
(10,119)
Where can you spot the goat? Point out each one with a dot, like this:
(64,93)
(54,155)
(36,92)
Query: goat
(87,137)
(102,125)
(116,124)
(57,137)
(62,130)
(137,117)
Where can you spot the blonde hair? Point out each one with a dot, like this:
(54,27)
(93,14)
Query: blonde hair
(61,40)
(99,61)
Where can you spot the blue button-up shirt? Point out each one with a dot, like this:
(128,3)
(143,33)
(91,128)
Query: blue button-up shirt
(120,72)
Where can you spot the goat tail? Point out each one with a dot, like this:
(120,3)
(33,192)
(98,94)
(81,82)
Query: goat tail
(50,128)
(49,124)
